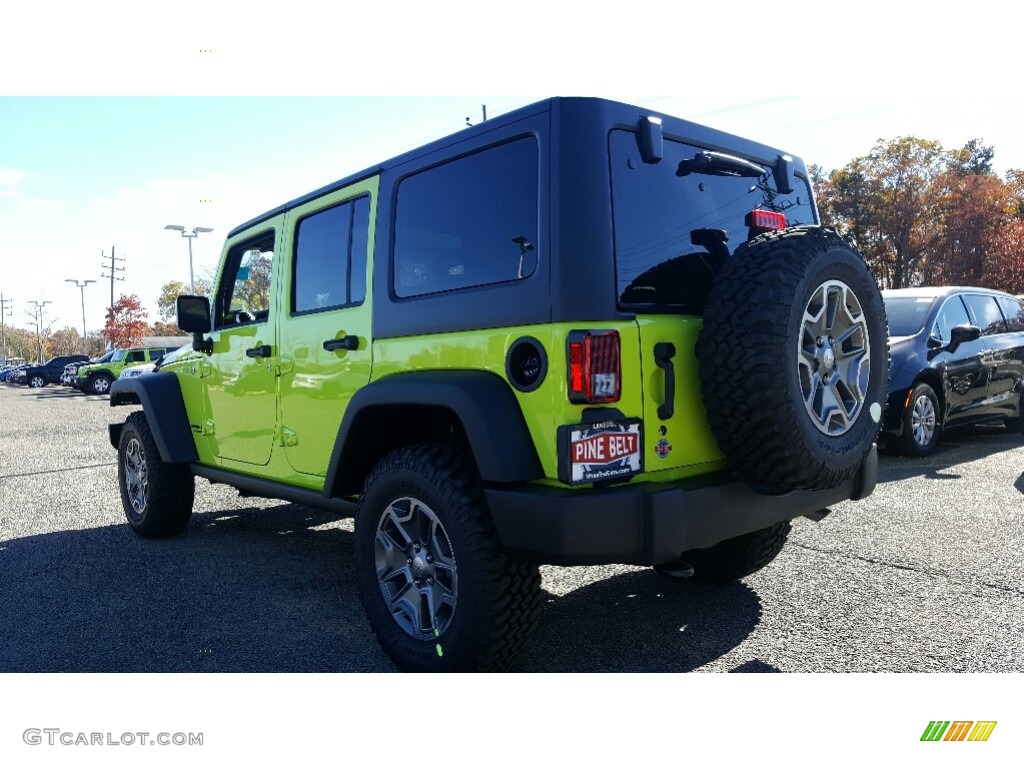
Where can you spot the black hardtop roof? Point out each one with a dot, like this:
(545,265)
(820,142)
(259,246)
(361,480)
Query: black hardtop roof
(614,111)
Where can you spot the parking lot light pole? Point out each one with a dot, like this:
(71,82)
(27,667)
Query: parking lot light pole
(80,284)
(194,234)
(39,325)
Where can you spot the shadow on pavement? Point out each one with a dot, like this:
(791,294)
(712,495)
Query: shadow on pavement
(960,446)
(273,590)
(642,622)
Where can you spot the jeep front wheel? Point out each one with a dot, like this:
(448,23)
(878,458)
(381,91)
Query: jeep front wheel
(99,384)
(794,359)
(157,496)
(439,591)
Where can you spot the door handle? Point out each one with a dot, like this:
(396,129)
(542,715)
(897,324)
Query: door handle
(350,343)
(664,351)
(261,351)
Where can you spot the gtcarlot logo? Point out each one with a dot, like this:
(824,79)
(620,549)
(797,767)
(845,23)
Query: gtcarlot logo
(56,736)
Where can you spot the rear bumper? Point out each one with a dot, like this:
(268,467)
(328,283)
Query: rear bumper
(649,523)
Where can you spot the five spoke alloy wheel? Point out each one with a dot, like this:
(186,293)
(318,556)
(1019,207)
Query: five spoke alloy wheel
(416,568)
(136,480)
(834,357)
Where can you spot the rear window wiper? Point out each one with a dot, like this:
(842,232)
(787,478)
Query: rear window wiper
(719,164)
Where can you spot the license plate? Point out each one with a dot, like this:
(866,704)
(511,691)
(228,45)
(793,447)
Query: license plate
(608,450)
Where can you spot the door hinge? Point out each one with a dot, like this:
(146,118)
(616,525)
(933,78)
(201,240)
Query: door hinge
(207,428)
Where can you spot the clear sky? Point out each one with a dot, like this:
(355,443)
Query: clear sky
(90,161)
(82,175)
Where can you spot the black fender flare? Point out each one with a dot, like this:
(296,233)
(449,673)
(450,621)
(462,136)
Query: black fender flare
(159,394)
(482,402)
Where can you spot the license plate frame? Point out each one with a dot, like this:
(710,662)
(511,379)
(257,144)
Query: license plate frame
(600,452)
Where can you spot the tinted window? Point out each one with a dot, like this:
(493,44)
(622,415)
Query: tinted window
(986,313)
(672,231)
(330,257)
(136,356)
(244,292)
(1013,311)
(951,315)
(119,355)
(907,314)
(469,222)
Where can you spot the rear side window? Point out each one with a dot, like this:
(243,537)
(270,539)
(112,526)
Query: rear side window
(672,231)
(1013,311)
(136,356)
(330,257)
(986,313)
(469,222)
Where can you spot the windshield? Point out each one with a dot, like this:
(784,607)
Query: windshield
(119,356)
(676,220)
(907,314)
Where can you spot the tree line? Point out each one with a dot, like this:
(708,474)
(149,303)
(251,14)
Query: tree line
(926,215)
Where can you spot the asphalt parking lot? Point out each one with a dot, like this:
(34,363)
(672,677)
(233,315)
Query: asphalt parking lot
(923,576)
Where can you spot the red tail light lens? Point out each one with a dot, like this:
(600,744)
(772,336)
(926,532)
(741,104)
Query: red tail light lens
(765,220)
(595,367)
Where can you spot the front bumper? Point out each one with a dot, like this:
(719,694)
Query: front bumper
(649,523)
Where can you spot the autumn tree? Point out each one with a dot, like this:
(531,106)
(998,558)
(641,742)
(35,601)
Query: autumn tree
(126,322)
(1006,265)
(166,303)
(66,341)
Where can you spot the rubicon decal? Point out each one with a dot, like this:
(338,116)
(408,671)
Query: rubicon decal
(958,730)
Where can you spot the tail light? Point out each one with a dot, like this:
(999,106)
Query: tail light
(765,221)
(595,367)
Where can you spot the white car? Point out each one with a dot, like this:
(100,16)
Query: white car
(137,370)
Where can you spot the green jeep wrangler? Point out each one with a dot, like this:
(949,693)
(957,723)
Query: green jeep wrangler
(97,378)
(580,333)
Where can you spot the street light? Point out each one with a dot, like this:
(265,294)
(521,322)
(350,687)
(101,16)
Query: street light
(39,325)
(81,286)
(195,233)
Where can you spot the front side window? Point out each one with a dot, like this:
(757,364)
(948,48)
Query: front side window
(136,356)
(330,257)
(986,313)
(950,315)
(676,220)
(244,293)
(469,222)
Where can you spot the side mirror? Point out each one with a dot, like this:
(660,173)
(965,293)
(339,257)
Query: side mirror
(194,318)
(961,334)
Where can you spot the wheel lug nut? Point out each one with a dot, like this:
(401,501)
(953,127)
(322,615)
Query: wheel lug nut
(408,561)
(416,547)
(430,580)
(819,341)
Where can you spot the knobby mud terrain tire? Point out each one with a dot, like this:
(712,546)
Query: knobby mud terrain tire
(439,591)
(794,359)
(157,496)
(735,558)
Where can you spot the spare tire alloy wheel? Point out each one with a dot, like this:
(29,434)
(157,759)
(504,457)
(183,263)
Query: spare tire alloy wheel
(794,359)
(833,358)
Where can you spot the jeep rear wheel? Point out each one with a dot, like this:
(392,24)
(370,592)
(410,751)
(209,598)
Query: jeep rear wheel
(157,496)
(99,383)
(794,359)
(738,557)
(439,591)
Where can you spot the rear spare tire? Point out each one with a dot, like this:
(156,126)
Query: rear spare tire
(794,359)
